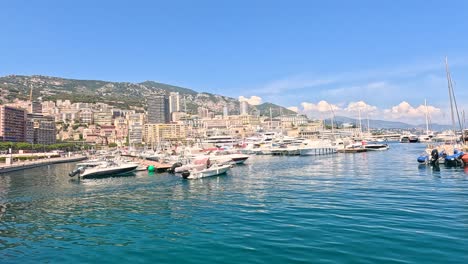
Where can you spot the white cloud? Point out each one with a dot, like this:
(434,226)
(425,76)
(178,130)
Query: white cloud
(360,106)
(322,106)
(405,111)
(294,108)
(253,100)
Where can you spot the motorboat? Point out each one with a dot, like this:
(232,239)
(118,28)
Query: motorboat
(213,170)
(238,158)
(103,168)
(409,139)
(352,147)
(375,146)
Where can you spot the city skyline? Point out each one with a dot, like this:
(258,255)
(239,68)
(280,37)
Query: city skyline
(301,55)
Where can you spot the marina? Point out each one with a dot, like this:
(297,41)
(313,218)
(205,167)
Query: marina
(234,132)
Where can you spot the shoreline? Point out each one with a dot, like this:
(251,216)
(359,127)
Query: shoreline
(33,164)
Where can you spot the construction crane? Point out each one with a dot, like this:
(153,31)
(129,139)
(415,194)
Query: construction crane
(30,93)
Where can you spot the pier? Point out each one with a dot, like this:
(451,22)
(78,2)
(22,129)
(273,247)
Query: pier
(4,168)
(302,152)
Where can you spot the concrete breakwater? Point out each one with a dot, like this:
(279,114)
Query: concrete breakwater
(32,164)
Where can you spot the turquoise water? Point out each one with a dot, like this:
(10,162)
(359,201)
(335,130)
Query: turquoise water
(378,207)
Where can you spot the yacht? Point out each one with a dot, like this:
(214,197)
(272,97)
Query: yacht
(409,139)
(102,169)
(221,141)
(213,170)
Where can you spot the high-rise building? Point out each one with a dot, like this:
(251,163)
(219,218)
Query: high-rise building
(203,112)
(244,108)
(36,107)
(135,128)
(174,102)
(40,129)
(158,109)
(12,121)
(225,111)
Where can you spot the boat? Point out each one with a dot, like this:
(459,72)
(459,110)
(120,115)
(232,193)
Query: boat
(428,137)
(212,170)
(375,146)
(451,151)
(216,141)
(409,139)
(433,158)
(238,158)
(351,147)
(102,169)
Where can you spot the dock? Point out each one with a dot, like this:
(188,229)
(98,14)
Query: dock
(160,167)
(352,150)
(32,164)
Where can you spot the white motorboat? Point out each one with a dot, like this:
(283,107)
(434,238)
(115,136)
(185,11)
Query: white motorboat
(238,158)
(213,170)
(108,168)
(375,146)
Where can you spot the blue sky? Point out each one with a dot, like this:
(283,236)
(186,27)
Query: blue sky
(286,52)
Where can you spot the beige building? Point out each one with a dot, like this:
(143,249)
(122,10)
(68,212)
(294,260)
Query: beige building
(155,133)
(103,118)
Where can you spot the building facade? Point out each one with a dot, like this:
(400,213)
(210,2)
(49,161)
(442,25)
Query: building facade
(103,118)
(156,133)
(244,108)
(174,102)
(40,129)
(12,124)
(158,109)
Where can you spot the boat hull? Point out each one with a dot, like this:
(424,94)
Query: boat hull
(239,160)
(208,172)
(108,172)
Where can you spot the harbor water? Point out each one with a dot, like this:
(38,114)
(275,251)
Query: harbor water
(374,207)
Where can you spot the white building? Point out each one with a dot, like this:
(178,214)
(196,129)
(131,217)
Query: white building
(244,108)
(174,102)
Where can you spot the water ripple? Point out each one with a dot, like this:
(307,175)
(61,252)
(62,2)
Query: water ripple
(364,208)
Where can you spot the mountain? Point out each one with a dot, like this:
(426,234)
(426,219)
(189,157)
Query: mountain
(123,95)
(381,124)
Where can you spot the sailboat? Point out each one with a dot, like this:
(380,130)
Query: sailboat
(429,135)
(450,154)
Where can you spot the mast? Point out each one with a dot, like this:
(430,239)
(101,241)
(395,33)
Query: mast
(360,123)
(449,84)
(453,103)
(271,119)
(427,118)
(368,124)
(332,121)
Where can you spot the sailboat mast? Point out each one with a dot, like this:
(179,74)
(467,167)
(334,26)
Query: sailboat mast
(427,118)
(360,123)
(368,124)
(332,121)
(449,84)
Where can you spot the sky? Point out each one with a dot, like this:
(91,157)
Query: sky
(383,58)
